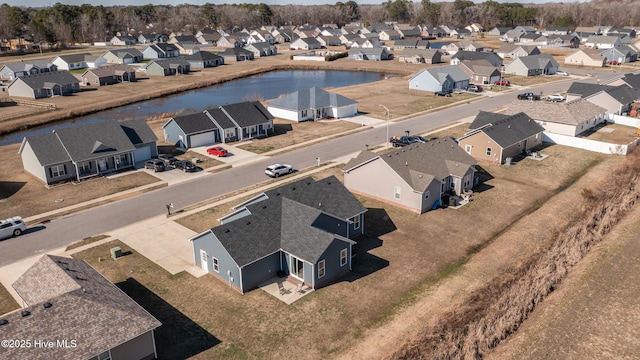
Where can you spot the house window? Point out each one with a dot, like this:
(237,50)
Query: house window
(343,257)
(396,192)
(467,148)
(105,355)
(304,113)
(58,170)
(84,167)
(321,269)
(216,265)
(488,151)
(121,159)
(426,195)
(356,222)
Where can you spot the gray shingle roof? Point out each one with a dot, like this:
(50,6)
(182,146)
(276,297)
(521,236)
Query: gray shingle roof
(76,58)
(286,220)
(248,113)
(138,131)
(85,307)
(220,118)
(475,55)
(586,89)
(47,79)
(418,164)
(111,70)
(202,56)
(311,98)
(194,123)
(47,148)
(632,80)
(94,140)
(485,117)
(451,70)
(538,61)
(512,129)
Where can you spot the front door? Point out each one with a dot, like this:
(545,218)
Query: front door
(296,267)
(204,260)
(102,164)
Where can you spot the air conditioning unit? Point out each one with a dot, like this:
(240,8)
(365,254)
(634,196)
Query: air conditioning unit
(116,252)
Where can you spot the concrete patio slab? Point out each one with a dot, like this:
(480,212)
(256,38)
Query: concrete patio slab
(285,290)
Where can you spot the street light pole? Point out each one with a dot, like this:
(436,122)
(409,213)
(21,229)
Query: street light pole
(388,116)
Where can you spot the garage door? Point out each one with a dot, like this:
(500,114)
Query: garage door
(204,139)
(142,154)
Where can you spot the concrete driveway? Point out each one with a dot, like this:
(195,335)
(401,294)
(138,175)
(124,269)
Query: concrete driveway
(162,241)
(235,155)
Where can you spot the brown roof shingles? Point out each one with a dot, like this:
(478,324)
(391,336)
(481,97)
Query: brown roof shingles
(573,112)
(85,307)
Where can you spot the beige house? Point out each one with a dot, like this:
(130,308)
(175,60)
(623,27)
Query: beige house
(414,177)
(496,137)
(85,315)
(586,57)
(565,118)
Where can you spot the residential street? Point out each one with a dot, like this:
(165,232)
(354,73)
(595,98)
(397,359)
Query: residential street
(111,216)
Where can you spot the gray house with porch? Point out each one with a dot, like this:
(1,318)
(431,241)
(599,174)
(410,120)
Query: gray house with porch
(87,150)
(302,230)
(42,85)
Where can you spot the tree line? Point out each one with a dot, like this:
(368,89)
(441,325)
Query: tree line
(63,24)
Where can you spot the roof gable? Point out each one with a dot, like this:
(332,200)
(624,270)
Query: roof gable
(311,98)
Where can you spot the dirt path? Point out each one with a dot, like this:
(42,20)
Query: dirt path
(511,247)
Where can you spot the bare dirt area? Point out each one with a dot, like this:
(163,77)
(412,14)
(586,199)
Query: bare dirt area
(22,194)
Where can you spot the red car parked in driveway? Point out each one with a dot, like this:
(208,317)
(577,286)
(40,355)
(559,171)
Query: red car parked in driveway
(503,83)
(218,151)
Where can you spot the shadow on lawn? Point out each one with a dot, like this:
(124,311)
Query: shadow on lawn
(483,176)
(10,188)
(377,223)
(178,337)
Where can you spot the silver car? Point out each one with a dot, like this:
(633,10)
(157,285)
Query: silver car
(11,227)
(276,170)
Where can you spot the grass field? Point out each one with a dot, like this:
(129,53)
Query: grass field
(256,325)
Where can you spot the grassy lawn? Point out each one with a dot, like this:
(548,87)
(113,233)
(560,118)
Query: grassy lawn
(395,94)
(287,133)
(454,131)
(86,241)
(413,250)
(613,133)
(7,302)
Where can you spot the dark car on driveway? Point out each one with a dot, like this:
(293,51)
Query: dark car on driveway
(184,165)
(442,93)
(168,159)
(156,165)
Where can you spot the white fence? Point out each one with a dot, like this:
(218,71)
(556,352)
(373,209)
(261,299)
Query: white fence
(591,145)
(625,120)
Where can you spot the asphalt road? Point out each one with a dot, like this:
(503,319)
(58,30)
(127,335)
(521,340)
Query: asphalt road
(102,219)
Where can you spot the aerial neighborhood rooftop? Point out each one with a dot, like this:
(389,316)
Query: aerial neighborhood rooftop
(297,218)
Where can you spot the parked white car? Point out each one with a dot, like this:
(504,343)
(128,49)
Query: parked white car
(555,98)
(562,73)
(276,170)
(11,227)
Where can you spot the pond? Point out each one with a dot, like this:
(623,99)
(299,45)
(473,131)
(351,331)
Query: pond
(258,87)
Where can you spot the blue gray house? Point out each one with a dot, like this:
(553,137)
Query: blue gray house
(225,123)
(442,78)
(87,150)
(302,230)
